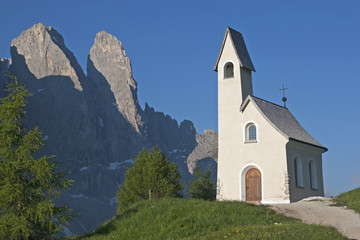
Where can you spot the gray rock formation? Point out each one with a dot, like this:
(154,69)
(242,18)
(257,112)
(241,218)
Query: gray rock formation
(172,135)
(4,68)
(45,54)
(50,71)
(207,147)
(63,112)
(108,57)
(113,94)
(93,124)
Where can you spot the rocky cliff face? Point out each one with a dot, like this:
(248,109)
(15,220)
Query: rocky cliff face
(45,54)
(4,68)
(107,57)
(206,148)
(94,124)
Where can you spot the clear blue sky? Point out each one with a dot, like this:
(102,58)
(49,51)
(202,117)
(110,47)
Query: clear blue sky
(313,47)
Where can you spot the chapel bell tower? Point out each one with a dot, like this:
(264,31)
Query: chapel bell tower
(234,69)
(234,66)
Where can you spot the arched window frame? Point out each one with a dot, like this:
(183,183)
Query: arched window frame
(313,174)
(246,132)
(225,75)
(298,172)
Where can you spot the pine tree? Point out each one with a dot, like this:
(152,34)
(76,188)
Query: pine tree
(152,176)
(27,184)
(202,186)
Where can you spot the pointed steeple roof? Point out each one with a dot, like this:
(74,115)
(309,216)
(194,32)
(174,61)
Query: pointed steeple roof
(240,47)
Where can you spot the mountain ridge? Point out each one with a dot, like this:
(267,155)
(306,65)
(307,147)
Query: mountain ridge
(93,123)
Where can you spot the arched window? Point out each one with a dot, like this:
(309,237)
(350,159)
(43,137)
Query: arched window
(229,70)
(251,132)
(312,174)
(298,172)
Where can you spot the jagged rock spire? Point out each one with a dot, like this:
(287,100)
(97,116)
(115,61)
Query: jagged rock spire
(45,54)
(108,57)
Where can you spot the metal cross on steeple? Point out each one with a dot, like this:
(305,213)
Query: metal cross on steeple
(284,98)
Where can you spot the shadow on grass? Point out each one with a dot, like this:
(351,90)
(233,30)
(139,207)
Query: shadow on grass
(109,226)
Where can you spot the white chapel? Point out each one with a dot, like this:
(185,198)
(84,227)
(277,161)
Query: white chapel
(264,154)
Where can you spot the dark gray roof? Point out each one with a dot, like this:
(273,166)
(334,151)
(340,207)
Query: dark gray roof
(283,120)
(240,48)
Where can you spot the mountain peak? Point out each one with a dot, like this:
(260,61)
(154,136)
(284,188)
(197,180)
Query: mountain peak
(107,58)
(109,42)
(45,54)
(95,132)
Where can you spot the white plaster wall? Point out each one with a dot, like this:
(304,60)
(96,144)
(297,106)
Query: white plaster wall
(234,156)
(305,152)
(229,101)
(268,154)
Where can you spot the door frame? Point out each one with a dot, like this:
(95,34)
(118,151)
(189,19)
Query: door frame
(242,181)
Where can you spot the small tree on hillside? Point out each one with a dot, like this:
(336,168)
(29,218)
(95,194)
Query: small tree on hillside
(202,186)
(27,185)
(153,175)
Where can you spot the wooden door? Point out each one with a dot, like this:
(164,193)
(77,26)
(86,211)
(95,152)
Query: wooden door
(253,186)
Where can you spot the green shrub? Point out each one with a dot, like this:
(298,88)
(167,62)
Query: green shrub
(152,176)
(202,186)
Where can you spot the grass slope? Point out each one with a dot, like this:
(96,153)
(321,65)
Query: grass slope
(350,199)
(198,219)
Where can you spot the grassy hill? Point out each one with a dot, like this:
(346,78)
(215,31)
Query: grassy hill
(350,199)
(198,219)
